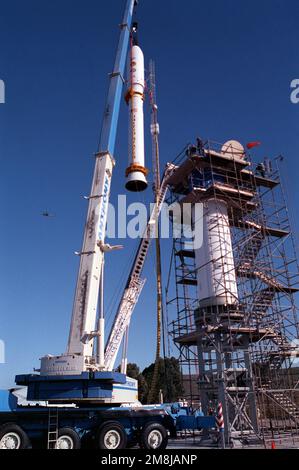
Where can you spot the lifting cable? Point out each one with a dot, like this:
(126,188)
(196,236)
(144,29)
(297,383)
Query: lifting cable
(156,188)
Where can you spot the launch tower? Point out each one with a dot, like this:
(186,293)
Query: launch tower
(236,323)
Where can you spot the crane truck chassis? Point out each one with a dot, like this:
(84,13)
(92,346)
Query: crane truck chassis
(87,426)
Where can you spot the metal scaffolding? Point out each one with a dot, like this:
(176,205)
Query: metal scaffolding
(240,354)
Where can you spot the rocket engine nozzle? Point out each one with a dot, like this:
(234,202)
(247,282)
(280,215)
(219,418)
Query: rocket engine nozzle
(136,175)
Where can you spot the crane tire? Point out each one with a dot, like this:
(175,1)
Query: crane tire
(111,436)
(154,437)
(67,439)
(13,437)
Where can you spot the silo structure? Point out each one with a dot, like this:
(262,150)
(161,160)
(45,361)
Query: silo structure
(214,260)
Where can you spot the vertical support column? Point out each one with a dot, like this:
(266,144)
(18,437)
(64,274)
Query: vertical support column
(201,369)
(101,324)
(221,386)
(124,359)
(204,399)
(251,397)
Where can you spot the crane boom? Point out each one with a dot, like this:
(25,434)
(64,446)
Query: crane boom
(135,283)
(79,353)
(87,289)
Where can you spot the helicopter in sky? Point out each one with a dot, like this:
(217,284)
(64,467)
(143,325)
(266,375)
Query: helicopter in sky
(46,213)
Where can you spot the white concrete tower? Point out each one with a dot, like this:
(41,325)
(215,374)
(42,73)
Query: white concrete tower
(214,260)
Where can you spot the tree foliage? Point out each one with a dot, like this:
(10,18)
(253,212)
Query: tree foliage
(169,380)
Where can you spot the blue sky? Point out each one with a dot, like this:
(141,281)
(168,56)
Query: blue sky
(224,69)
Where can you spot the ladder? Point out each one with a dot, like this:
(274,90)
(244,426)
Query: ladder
(284,402)
(251,249)
(52,427)
(262,301)
(135,283)
(287,404)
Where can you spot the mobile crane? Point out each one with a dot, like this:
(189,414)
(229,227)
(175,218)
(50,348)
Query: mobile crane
(84,399)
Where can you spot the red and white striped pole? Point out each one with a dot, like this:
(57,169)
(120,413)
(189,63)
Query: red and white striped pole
(220,424)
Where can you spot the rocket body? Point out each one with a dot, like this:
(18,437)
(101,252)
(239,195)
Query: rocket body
(136,171)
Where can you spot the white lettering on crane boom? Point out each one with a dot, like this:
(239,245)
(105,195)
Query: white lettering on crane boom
(104,205)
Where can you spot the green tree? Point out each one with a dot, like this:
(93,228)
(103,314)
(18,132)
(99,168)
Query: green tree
(169,380)
(133,370)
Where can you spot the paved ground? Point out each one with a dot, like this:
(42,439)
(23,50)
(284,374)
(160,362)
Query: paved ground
(197,443)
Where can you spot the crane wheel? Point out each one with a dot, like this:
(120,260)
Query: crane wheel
(111,435)
(154,437)
(13,437)
(67,439)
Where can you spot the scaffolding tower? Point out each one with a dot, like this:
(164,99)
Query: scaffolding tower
(240,353)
